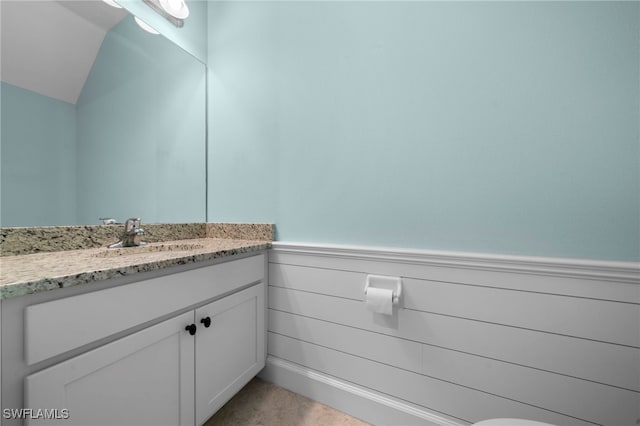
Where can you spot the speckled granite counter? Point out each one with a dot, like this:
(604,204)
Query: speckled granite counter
(34,273)
(41,239)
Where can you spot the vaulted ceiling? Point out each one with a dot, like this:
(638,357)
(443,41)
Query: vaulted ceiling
(49,46)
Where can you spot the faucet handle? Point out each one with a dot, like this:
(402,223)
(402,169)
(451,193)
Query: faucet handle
(132,224)
(108,221)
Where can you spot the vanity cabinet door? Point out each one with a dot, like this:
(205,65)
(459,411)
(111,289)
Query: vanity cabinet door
(142,379)
(230,350)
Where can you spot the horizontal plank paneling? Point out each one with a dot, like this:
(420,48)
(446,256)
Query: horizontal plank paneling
(575,397)
(600,362)
(468,404)
(345,284)
(555,340)
(597,288)
(375,346)
(606,321)
(579,317)
(595,402)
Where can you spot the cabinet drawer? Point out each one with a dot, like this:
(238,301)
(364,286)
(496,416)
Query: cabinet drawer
(55,327)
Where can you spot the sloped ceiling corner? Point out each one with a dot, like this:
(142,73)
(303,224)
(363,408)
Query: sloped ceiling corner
(49,47)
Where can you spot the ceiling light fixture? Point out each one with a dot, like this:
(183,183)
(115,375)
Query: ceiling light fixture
(174,11)
(148,28)
(176,8)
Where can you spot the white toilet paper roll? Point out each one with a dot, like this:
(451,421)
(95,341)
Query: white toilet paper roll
(380,300)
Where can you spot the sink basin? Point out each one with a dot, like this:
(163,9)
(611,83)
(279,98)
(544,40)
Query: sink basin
(155,248)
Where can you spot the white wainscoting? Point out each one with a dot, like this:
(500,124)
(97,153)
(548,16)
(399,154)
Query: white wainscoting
(475,336)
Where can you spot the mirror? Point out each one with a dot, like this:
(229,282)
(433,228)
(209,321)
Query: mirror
(98,119)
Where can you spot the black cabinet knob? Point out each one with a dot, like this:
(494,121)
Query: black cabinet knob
(206,321)
(191,329)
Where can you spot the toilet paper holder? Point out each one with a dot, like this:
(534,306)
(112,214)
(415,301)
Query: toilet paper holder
(385,282)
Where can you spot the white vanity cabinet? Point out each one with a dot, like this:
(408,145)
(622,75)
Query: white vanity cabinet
(178,371)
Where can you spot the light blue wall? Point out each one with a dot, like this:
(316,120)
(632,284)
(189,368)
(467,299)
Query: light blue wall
(37,153)
(505,127)
(243,113)
(192,37)
(142,131)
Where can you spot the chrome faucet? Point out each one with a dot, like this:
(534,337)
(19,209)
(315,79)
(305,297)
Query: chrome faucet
(132,236)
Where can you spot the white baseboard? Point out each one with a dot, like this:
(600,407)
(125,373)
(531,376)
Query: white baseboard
(365,404)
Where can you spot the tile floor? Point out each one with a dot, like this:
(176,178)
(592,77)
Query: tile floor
(261,403)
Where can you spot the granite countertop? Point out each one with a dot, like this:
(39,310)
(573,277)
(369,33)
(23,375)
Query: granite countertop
(33,273)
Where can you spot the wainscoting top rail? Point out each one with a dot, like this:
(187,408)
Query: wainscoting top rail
(604,270)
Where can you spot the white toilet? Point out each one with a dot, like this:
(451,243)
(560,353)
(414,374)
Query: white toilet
(510,422)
